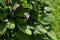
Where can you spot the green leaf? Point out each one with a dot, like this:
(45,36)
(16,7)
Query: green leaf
(3,31)
(48,4)
(52,35)
(10,25)
(24,1)
(37,37)
(41,29)
(46,20)
(20,21)
(22,36)
(36,32)
(3,27)
(20,12)
(33,14)
(39,18)
(3,14)
(25,5)
(47,9)
(25,29)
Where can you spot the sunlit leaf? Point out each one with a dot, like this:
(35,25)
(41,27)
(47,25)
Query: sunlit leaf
(11,25)
(46,20)
(41,29)
(52,35)
(25,29)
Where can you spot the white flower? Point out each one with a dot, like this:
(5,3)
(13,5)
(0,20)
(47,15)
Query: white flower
(16,6)
(26,15)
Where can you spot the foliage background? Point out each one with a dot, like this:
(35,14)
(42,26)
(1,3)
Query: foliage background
(56,13)
(43,23)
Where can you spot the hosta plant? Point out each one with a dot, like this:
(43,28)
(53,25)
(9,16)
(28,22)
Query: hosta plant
(26,20)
